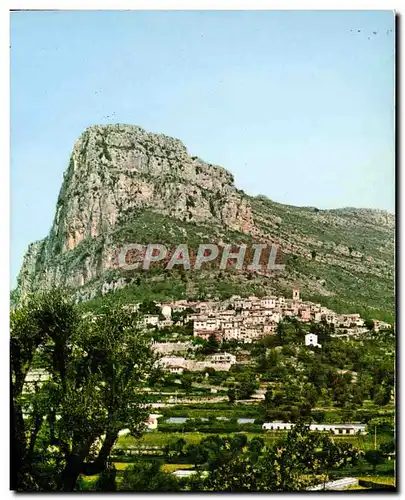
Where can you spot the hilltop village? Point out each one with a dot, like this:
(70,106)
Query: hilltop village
(241,320)
(252,318)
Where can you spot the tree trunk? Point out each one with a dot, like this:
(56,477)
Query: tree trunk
(71,472)
(75,464)
(18,449)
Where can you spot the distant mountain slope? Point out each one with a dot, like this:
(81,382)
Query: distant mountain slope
(124,185)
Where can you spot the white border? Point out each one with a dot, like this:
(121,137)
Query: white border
(5,138)
(204,5)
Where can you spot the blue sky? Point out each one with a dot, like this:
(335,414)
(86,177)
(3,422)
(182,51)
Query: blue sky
(297,105)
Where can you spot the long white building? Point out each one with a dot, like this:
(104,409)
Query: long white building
(335,428)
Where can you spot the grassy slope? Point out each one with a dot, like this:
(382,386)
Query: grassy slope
(351,285)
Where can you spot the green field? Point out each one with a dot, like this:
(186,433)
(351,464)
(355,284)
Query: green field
(173,467)
(364,442)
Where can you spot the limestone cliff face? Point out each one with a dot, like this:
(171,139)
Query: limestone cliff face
(116,169)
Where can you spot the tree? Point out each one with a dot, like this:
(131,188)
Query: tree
(255,447)
(186,383)
(268,398)
(196,454)
(247,388)
(330,455)
(147,477)
(211,346)
(374,458)
(310,395)
(177,447)
(382,396)
(291,465)
(94,367)
(319,416)
(231,394)
(47,320)
(369,324)
(387,447)
(106,480)
(111,358)
(280,332)
(239,441)
(149,307)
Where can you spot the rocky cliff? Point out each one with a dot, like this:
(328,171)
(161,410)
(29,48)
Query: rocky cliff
(125,185)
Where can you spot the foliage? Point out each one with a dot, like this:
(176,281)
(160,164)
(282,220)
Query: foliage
(94,369)
(291,465)
(374,457)
(145,476)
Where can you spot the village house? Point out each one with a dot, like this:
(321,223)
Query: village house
(269,328)
(164,323)
(311,339)
(218,334)
(280,301)
(305,315)
(268,302)
(205,326)
(205,307)
(180,306)
(330,318)
(173,364)
(380,325)
(292,306)
(150,319)
(255,319)
(288,313)
(172,347)
(232,333)
(223,357)
(275,317)
(247,335)
(317,316)
(238,303)
(230,323)
(247,319)
(193,317)
(246,304)
(166,310)
(152,421)
(256,306)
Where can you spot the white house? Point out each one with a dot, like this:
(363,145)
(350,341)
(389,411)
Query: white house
(231,333)
(174,364)
(335,428)
(268,302)
(151,424)
(223,357)
(312,339)
(150,319)
(209,325)
(152,421)
(167,311)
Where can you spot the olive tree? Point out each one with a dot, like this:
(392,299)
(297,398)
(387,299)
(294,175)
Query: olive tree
(95,367)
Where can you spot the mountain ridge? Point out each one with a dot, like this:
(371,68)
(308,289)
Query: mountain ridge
(119,173)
